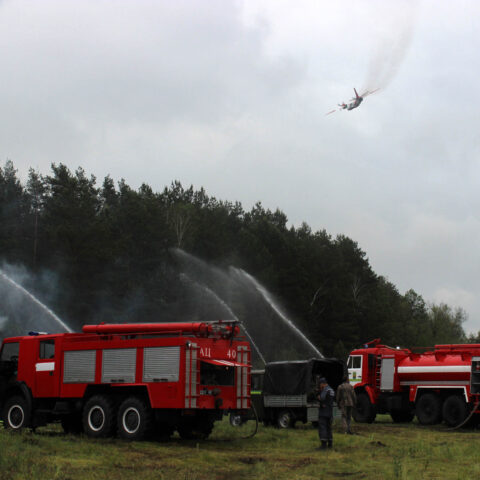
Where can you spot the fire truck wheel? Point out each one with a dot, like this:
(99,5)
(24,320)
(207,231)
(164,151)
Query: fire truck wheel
(98,417)
(135,419)
(402,416)
(285,419)
(16,415)
(429,409)
(454,410)
(364,411)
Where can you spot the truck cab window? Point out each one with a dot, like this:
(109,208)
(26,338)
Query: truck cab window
(356,361)
(47,349)
(10,352)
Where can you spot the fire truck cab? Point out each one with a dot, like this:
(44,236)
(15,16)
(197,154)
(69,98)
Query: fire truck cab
(131,379)
(440,384)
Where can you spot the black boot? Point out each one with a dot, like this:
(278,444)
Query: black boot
(330,443)
(323,445)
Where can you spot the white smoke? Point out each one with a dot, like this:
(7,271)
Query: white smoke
(395,32)
(3,323)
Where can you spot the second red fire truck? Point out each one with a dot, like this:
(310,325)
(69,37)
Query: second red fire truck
(440,384)
(130,379)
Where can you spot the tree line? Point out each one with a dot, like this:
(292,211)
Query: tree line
(110,248)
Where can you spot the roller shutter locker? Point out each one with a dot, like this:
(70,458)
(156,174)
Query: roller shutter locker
(118,365)
(79,366)
(161,364)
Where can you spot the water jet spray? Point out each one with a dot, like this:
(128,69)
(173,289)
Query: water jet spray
(35,300)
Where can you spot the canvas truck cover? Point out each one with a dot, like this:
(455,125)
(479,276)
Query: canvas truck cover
(298,377)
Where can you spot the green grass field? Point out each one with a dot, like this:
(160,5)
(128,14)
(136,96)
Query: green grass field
(382,450)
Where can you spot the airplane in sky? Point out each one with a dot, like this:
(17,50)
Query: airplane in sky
(355,101)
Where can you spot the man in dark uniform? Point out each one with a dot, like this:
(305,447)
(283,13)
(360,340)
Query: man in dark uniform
(325,396)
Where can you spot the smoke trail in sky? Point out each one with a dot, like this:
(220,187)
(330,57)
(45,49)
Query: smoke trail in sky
(395,34)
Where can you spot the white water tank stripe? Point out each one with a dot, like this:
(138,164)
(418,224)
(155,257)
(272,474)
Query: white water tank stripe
(436,383)
(435,369)
(45,367)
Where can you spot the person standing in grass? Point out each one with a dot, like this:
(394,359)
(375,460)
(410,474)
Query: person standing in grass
(325,396)
(346,400)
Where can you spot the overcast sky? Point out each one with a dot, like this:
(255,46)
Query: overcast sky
(232,96)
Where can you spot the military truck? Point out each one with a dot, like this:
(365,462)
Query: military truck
(284,392)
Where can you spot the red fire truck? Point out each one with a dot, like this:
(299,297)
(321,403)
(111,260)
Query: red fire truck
(133,379)
(442,383)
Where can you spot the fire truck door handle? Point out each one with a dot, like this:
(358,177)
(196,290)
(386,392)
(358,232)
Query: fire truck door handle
(51,374)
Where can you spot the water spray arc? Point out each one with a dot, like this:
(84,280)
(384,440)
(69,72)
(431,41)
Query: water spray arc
(268,298)
(256,306)
(229,310)
(35,300)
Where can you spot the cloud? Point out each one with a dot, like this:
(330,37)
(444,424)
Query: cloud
(455,297)
(77,77)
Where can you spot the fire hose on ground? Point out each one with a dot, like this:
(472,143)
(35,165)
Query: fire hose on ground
(460,425)
(256,423)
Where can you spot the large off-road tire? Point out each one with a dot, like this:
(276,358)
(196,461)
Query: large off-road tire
(72,423)
(454,411)
(16,414)
(364,411)
(134,419)
(98,417)
(199,428)
(285,419)
(428,409)
(402,416)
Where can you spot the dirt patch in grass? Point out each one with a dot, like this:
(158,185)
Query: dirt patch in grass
(347,474)
(299,463)
(251,460)
(377,444)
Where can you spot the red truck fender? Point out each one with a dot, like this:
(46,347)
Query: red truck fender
(19,388)
(362,387)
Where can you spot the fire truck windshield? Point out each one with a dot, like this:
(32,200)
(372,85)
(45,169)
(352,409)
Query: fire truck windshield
(216,374)
(10,352)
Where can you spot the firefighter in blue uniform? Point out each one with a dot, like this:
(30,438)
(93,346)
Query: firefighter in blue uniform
(325,396)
